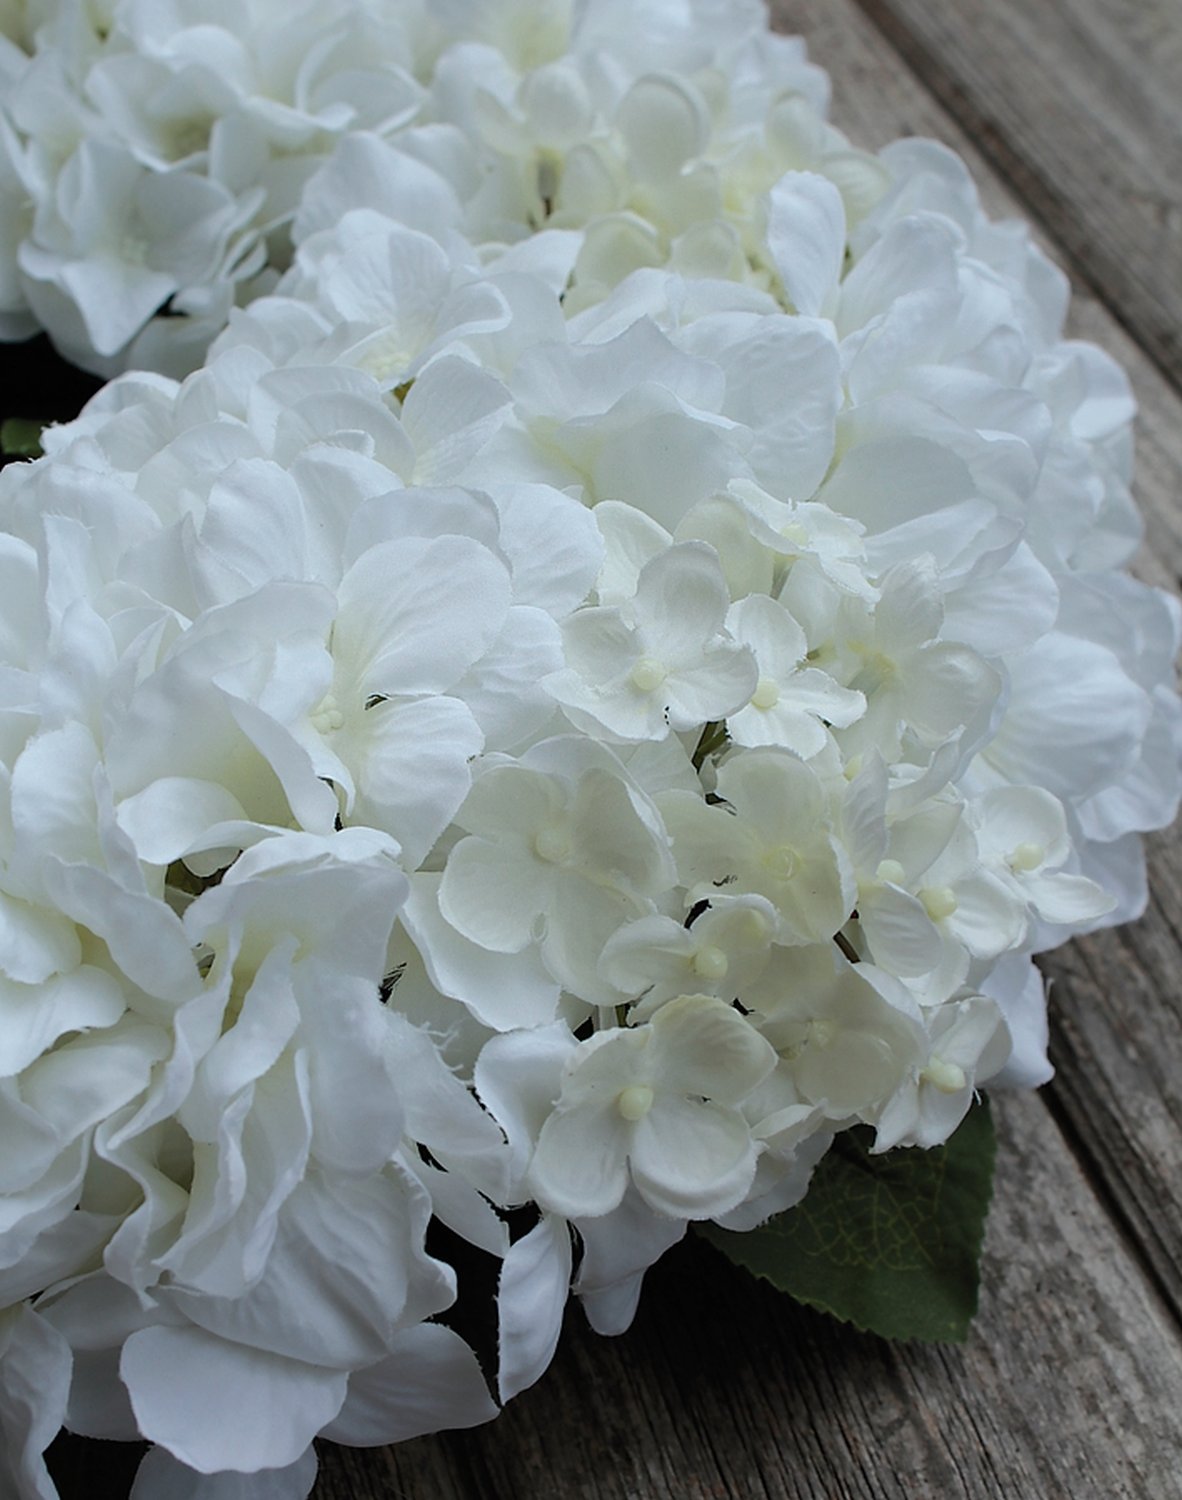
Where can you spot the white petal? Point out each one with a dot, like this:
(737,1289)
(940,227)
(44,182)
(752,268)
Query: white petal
(1020,992)
(553,545)
(785,384)
(503,991)
(948,687)
(681,600)
(1067,898)
(430,1382)
(171,815)
(366,172)
(692,1160)
(721,681)
(441,1112)
(33,1017)
(579,1167)
(34,1380)
(411,764)
(519,1077)
(617,1250)
(900,931)
(401,629)
(1075,719)
(531,1299)
(1005,610)
(162,1477)
(145,938)
(988,919)
(345,1267)
(253,530)
(806,237)
(703,1046)
(190,1389)
(451,413)
(35,941)
(617,838)
(492,895)
(598,644)
(663,126)
(512,799)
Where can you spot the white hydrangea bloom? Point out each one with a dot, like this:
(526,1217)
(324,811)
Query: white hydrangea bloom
(554,861)
(656,1102)
(792,703)
(602,681)
(771,838)
(664,661)
(848,1034)
(722,952)
(968,1043)
(164,150)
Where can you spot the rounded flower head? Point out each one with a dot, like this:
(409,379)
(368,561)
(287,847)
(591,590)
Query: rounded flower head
(600,681)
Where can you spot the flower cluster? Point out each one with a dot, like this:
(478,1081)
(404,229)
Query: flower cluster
(154,158)
(601,682)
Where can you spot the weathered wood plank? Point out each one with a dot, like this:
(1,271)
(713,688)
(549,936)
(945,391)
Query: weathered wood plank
(1077,109)
(1069,1386)
(1118,1089)
(1119,1042)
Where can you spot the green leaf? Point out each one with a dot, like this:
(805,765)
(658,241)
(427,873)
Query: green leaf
(889,1243)
(20,437)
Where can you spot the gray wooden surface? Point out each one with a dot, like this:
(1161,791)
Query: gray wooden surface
(1070,113)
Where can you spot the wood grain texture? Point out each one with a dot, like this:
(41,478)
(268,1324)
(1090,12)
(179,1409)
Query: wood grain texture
(1078,110)
(1116,1009)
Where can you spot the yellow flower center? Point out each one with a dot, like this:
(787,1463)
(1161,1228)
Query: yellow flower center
(938,901)
(552,845)
(766,694)
(710,962)
(1027,856)
(782,863)
(945,1076)
(647,675)
(635,1101)
(327,716)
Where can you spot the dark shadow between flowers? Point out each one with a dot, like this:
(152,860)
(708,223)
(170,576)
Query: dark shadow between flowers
(38,385)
